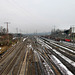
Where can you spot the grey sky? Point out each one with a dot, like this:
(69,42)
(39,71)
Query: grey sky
(40,15)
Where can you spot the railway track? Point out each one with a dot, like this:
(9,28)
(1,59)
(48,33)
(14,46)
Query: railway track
(47,61)
(14,56)
(62,43)
(69,62)
(8,65)
(65,52)
(17,66)
(37,56)
(9,51)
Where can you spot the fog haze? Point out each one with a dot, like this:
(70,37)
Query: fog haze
(30,16)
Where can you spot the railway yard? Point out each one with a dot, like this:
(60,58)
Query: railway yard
(38,56)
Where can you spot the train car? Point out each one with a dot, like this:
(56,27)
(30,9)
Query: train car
(68,40)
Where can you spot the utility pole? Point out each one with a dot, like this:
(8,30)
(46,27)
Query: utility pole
(36,33)
(7,31)
(54,28)
(17,30)
(54,32)
(20,35)
(73,32)
(7,26)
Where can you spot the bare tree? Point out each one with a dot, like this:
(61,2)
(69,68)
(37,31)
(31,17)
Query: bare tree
(2,30)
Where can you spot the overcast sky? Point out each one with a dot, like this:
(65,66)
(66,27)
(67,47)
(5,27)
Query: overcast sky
(41,15)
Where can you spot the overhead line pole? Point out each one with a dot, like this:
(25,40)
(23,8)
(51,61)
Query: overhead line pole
(7,26)
(7,30)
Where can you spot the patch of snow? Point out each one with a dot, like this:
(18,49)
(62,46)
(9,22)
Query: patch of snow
(48,68)
(65,58)
(24,39)
(61,65)
(63,47)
